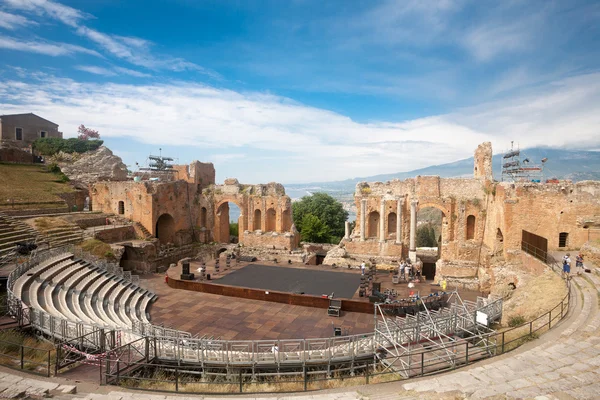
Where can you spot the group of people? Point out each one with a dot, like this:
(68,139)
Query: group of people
(567,265)
(408,271)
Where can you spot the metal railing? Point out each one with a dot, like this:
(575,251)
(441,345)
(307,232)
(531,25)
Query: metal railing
(31,359)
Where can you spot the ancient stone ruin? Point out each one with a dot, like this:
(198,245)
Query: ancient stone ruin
(482,221)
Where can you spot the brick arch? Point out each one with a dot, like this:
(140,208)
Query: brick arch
(165,228)
(221,210)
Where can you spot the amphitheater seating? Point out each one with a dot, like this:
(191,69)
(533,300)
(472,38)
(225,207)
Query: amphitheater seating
(75,290)
(13,231)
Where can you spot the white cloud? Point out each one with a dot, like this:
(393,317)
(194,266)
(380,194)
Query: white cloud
(92,69)
(12,21)
(43,47)
(131,49)
(131,72)
(67,15)
(295,142)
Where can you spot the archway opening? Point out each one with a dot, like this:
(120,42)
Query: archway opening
(227,223)
(428,238)
(391,223)
(121,207)
(270,220)
(165,229)
(286,220)
(499,241)
(373,224)
(257,220)
(470,227)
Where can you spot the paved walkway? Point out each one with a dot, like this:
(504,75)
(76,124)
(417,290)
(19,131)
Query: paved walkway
(563,364)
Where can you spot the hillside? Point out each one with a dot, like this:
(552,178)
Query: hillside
(562,164)
(30,184)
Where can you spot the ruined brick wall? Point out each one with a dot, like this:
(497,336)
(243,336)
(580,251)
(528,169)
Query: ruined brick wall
(187,212)
(483,162)
(198,173)
(545,210)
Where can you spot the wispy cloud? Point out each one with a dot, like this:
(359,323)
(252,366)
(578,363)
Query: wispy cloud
(43,47)
(12,21)
(308,140)
(67,15)
(112,71)
(92,69)
(131,72)
(131,49)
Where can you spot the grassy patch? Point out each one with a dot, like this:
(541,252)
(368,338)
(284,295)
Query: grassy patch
(35,352)
(30,184)
(516,320)
(44,224)
(98,248)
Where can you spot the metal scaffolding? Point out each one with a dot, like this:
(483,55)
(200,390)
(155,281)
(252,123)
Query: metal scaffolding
(517,167)
(430,337)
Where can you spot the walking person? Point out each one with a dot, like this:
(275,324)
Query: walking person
(579,263)
(402,269)
(362,268)
(567,266)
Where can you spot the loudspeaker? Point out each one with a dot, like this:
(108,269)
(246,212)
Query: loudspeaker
(185,268)
(377,286)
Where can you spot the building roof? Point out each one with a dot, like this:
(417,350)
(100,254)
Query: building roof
(18,115)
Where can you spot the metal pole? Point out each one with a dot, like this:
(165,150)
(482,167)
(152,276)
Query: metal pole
(48,375)
(176,379)
(467,353)
(241,382)
(422,365)
(550,319)
(502,342)
(22,357)
(305,379)
(367,373)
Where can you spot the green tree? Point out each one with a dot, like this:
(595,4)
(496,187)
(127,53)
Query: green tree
(327,209)
(234,229)
(314,230)
(424,237)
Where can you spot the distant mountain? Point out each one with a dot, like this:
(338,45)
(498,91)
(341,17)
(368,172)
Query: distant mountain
(562,164)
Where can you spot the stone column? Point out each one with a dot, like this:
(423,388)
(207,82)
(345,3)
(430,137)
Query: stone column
(363,211)
(347,230)
(412,251)
(399,221)
(382,221)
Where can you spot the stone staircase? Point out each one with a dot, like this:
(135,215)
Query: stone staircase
(63,234)
(141,228)
(13,231)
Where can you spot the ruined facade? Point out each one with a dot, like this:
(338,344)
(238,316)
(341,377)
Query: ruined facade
(193,208)
(481,219)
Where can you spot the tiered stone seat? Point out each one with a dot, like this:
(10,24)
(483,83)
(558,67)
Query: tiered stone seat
(101,303)
(21,287)
(72,289)
(13,231)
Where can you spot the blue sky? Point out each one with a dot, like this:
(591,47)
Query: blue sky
(306,90)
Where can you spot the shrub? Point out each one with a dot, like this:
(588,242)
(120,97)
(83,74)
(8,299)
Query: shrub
(516,320)
(51,146)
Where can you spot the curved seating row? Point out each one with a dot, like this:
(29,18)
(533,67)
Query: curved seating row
(73,289)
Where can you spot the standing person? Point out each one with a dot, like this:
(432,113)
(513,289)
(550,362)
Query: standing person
(402,269)
(362,268)
(408,270)
(579,263)
(567,266)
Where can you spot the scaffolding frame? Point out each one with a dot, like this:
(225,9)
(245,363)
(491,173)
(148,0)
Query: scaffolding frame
(433,332)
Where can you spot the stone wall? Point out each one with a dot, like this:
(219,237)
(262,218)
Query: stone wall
(184,211)
(482,221)
(117,234)
(15,155)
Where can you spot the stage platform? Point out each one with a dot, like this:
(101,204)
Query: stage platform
(293,280)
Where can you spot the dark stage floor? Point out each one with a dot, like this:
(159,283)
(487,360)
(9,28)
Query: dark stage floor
(293,280)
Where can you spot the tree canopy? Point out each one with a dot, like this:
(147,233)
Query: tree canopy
(426,236)
(322,208)
(50,146)
(84,133)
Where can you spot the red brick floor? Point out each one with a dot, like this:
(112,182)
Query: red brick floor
(244,319)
